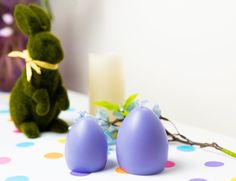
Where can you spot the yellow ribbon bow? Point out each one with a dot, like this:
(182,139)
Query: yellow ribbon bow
(32,64)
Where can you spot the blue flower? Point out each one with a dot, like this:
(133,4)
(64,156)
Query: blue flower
(156,109)
(118,115)
(110,131)
(111,134)
(102,118)
(132,106)
(81,114)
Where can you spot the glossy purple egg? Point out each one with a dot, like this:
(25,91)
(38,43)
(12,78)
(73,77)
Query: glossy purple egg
(86,147)
(142,144)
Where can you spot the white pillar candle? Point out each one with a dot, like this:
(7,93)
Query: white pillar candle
(106,79)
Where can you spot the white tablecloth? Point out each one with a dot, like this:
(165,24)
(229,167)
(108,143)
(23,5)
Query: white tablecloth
(42,159)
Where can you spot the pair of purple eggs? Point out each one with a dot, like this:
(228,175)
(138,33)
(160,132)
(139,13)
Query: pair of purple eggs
(141,148)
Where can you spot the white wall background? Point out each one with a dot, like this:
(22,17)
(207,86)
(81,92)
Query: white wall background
(178,53)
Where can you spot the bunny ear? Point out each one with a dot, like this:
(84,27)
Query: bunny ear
(26,20)
(42,16)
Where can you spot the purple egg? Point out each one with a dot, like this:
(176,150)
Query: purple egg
(142,145)
(86,147)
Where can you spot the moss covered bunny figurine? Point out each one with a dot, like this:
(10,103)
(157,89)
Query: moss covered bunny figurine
(38,95)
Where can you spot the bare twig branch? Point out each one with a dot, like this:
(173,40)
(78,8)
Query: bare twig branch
(178,137)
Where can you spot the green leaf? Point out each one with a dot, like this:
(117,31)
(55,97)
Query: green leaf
(108,105)
(130,100)
(124,113)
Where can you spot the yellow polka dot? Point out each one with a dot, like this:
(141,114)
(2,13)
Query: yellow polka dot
(233,179)
(119,170)
(62,140)
(53,155)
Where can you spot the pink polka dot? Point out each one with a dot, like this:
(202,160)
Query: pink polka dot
(4,160)
(169,164)
(17,131)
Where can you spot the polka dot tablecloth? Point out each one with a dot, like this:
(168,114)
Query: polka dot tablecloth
(23,159)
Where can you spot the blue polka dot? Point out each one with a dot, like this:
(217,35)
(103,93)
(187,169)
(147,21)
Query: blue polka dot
(3,111)
(17,178)
(71,109)
(186,148)
(25,144)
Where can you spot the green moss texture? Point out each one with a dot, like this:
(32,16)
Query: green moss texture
(35,105)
